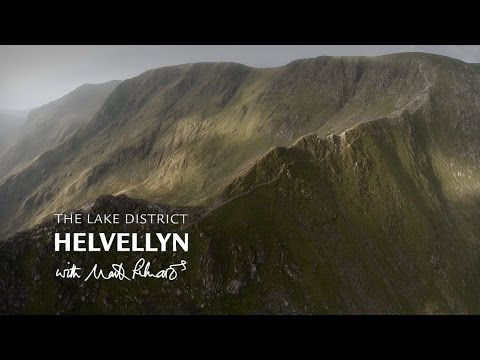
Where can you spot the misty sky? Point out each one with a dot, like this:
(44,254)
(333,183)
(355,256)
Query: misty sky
(31,76)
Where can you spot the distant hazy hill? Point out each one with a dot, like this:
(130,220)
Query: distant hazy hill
(17,113)
(51,124)
(10,126)
(330,185)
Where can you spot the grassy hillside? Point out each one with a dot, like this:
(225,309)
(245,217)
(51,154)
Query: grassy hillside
(362,223)
(358,223)
(178,135)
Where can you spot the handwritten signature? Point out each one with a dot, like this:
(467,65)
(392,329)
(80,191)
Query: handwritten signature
(117,271)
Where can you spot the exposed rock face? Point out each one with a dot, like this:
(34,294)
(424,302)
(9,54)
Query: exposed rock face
(367,203)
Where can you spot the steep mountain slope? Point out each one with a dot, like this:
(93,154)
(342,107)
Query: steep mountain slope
(10,128)
(51,124)
(362,223)
(376,220)
(178,135)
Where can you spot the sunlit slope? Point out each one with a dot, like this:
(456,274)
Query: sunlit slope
(374,221)
(179,135)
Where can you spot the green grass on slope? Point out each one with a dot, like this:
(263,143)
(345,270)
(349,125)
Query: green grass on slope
(365,230)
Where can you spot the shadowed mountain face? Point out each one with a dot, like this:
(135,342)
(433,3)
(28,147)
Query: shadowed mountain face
(367,202)
(48,126)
